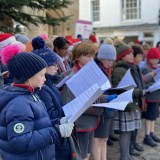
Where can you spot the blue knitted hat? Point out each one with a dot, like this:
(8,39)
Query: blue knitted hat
(44,52)
(23,66)
(106,51)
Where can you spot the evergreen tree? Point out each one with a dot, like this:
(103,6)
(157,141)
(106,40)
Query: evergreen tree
(14,10)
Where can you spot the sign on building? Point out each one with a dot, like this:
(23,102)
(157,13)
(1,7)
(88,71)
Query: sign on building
(83,28)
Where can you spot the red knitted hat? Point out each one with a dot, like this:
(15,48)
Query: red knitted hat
(153,53)
(93,38)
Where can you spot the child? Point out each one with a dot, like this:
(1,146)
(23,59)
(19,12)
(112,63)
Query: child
(134,147)
(89,120)
(105,58)
(26,129)
(50,95)
(61,46)
(152,99)
(129,119)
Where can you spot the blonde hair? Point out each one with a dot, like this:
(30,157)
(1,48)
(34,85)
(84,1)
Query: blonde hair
(49,44)
(85,48)
(118,42)
(108,41)
(146,46)
(131,44)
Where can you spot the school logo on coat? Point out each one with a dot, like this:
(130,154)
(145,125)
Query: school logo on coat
(18,128)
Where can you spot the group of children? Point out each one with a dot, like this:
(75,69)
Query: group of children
(32,122)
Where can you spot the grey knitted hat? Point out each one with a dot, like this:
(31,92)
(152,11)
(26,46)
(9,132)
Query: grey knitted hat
(106,51)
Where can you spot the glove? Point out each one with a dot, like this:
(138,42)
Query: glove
(66,129)
(111,97)
(64,120)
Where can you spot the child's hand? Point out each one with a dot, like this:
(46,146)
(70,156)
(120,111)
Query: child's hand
(152,74)
(66,129)
(111,97)
(5,74)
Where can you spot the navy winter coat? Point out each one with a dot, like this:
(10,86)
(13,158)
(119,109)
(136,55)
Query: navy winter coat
(26,132)
(52,99)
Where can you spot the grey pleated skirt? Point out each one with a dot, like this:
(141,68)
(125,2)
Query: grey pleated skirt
(127,121)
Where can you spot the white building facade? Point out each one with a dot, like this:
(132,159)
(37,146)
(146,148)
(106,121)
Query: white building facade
(129,20)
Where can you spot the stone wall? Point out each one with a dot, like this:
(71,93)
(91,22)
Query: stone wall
(65,28)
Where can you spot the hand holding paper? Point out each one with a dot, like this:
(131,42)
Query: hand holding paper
(118,103)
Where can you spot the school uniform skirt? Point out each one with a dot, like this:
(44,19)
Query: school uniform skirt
(127,121)
(152,112)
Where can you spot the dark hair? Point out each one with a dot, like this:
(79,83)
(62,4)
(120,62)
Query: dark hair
(157,44)
(60,42)
(137,50)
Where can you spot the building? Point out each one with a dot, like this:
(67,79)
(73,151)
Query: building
(129,20)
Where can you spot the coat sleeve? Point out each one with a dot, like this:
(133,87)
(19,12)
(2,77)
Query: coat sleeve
(146,76)
(21,132)
(52,110)
(117,75)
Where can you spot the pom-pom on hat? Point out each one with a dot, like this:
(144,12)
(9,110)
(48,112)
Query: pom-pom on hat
(44,52)
(123,50)
(44,36)
(21,65)
(153,53)
(106,51)
(8,52)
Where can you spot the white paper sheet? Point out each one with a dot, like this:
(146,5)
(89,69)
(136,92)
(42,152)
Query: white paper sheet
(81,103)
(63,81)
(157,76)
(120,102)
(114,105)
(86,77)
(127,80)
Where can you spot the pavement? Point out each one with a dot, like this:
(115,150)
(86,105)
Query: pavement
(149,153)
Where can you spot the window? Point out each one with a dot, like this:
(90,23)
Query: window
(131,9)
(95,10)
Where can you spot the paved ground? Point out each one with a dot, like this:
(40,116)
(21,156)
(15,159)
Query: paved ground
(149,152)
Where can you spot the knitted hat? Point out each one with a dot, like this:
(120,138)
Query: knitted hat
(21,38)
(93,38)
(122,50)
(6,39)
(153,53)
(106,51)
(22,66)
(44,52)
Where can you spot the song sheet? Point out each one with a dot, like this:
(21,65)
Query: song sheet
(86,77)
(120,102)
(127,80)
(81,103)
